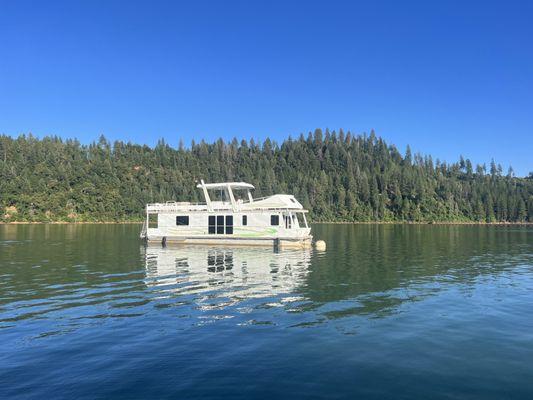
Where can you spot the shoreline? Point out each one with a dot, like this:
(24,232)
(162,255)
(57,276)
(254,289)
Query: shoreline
(317,222)
(71,223)
(422,223)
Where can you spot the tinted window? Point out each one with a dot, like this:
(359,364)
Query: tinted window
(212,228)
(229,224)
(245,220)
(182,220)
(220,224)
(274,220)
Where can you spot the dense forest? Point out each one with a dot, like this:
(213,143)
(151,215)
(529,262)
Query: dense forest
(336,175)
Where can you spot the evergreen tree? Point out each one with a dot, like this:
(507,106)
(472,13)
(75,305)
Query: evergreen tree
(338,176)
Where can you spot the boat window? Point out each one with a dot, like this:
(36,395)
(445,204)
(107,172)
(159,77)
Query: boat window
(219,195)
(274,220)
(245,220)
(152,221)
(229,224)
(301,220)
(212,224)
(182,220)
(220,224)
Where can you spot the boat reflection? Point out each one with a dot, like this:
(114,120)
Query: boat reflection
(236,273)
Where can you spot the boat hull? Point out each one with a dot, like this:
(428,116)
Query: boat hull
(299,242)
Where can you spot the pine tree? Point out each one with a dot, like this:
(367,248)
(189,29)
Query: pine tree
(337,176)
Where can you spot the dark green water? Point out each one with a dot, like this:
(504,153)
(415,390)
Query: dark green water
(403,312)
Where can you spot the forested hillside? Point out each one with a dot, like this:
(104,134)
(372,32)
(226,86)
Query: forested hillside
(338,176)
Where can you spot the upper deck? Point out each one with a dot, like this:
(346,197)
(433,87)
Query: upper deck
(276,202)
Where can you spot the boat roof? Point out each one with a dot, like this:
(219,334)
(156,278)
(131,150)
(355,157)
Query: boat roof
(224,185)
(277,201)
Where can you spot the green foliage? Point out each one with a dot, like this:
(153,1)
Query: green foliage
(338,176)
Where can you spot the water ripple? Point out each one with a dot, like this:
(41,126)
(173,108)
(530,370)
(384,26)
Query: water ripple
(399,303)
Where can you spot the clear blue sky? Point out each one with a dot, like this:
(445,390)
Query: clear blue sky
(446,77)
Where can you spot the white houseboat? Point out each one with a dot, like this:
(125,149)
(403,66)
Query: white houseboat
(230,215)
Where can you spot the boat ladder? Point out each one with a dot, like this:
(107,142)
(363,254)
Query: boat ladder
(143,231)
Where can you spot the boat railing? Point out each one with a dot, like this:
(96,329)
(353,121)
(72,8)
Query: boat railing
(154,208)
(185,206)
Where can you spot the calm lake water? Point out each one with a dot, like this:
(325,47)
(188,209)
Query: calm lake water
(426,312)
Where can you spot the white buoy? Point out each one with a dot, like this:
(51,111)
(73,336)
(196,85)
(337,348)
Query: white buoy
(320,245)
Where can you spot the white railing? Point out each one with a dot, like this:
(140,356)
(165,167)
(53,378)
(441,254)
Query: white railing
(217,206)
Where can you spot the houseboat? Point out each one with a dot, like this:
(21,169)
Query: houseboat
(230,215)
